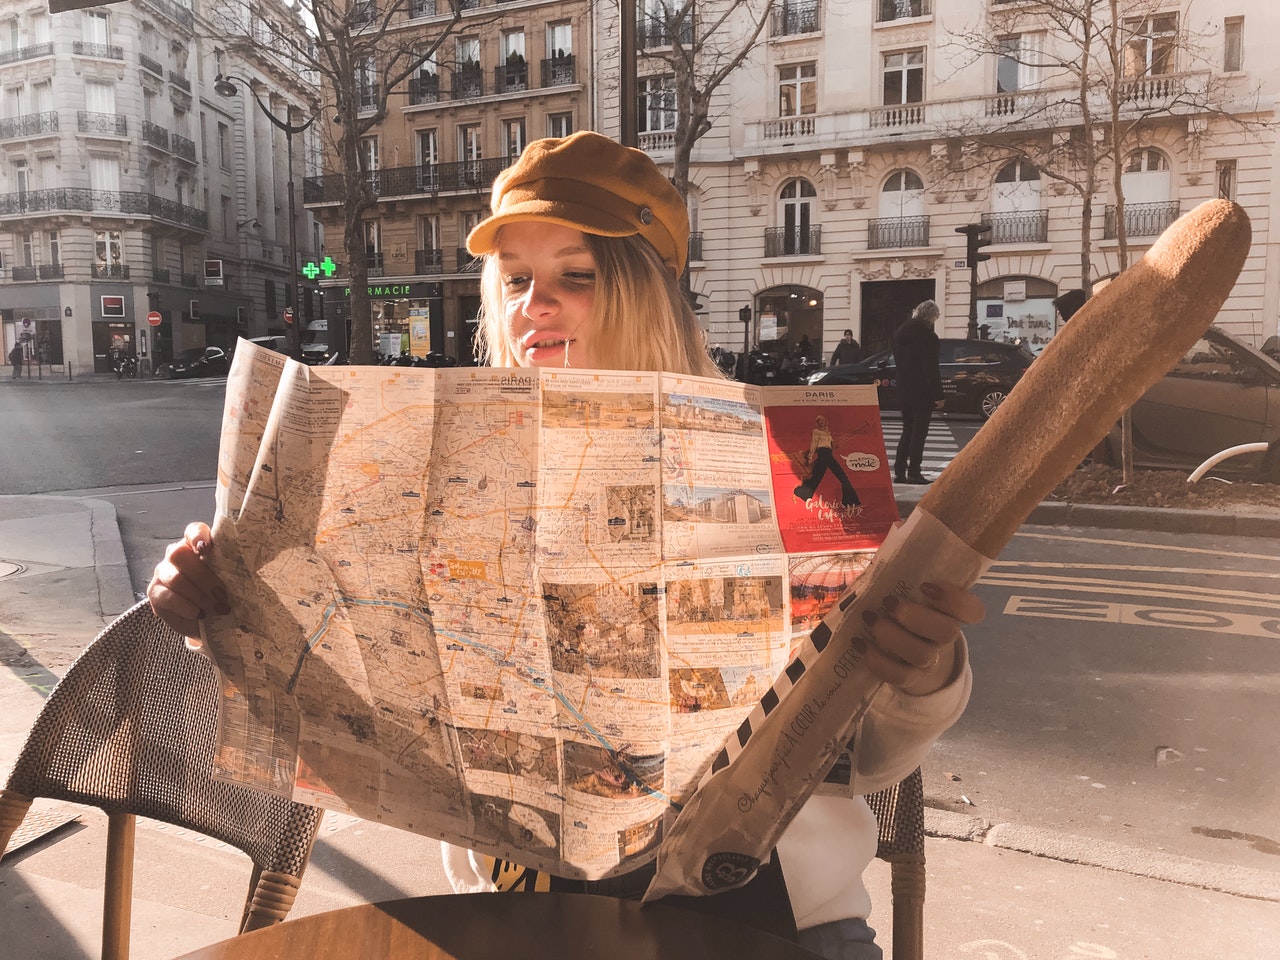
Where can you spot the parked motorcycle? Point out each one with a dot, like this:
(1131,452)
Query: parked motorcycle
(126,365)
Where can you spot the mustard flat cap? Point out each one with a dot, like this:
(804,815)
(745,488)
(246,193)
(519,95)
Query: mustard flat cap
(590,183)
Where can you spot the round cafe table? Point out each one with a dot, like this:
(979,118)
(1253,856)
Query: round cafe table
(510,926)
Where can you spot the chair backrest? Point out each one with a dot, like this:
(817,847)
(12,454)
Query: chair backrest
(130,729)
(899,810)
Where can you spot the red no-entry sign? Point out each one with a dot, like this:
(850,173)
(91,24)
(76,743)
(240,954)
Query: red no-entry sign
(154,318)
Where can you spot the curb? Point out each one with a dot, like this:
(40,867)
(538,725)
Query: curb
(110,567)
(1237,881)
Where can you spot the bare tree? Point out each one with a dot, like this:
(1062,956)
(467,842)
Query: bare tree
(1077,104)
(361,53)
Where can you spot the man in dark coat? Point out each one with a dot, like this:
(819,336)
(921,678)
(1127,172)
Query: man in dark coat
(915,354)
(846,351)
(15,357)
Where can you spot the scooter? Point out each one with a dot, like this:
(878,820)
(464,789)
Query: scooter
(126,366)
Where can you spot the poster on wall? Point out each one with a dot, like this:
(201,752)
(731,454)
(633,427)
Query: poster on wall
(1030,321)
(420,331)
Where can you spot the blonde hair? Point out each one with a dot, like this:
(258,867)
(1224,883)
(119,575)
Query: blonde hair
(642,319)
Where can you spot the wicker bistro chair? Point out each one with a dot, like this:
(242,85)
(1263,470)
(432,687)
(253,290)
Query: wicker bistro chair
(130,729)
(899,810)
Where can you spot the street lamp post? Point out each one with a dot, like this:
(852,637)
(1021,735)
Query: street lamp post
(224,86)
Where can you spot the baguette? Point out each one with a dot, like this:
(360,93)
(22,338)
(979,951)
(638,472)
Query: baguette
(1118,344)
(1113,349)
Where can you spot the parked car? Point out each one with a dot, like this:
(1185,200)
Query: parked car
(976,374)
(196,362)
(276,343)
(1223,392)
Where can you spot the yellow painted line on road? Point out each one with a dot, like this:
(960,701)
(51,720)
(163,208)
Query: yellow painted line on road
(1171,591)
(1149,546)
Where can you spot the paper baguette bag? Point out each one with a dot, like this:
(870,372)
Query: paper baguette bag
(1119,344)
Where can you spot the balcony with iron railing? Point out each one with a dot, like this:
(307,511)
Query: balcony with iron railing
(155,135)
(24,274)
(159,275)
(62,199)
(467,263)
(152,65)
(558,71)
(889,10)
(695,246)
(174,11)
(465,176)
(111,124)
(886,233)
(467,82)
(182,148)
(29,125)
(424,88)
(428,261)
(367,96)
(179,81)
(1018,226)
(1045,108)
(654,32)
(511,77)
(1141,219)
(375,264)
(422,8)
(103,51)
(50,271)
(30,52)
(792,18)
(109,271)
(793,241)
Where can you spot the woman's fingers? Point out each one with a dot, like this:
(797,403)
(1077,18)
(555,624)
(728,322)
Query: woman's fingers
(184,587)
(913,644)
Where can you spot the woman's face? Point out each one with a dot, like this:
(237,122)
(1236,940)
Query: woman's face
(548,291)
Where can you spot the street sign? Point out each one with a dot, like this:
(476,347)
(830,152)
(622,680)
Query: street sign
(288,314)
(26,321)
(154,318)
(213,273)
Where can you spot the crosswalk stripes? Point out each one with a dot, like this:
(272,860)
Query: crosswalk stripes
(940,445)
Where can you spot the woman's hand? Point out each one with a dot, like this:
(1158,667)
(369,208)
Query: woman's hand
(184,587)
(914,644)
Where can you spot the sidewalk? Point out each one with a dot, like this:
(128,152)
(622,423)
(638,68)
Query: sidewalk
(995,890)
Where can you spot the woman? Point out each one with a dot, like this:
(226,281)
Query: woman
(583,253)
(821,460)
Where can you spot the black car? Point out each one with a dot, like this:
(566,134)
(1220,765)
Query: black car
(976,374)
(1221,394)
(196,362)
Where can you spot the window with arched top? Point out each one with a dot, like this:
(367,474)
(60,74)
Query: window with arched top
(1147,177)
(797,231)
(902,195)
(1016,188)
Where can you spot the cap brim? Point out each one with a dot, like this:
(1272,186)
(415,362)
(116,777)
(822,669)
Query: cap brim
(483,237)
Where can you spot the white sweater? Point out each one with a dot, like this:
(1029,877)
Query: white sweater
(833,838)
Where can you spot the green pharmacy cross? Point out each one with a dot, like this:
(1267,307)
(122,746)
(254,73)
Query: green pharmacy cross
(311,271)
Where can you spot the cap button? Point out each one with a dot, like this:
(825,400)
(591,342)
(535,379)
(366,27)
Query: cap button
(646,216)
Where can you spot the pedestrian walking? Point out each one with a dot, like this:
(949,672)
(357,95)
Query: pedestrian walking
(846,351)
(15,358)
(582,255)
(915,354)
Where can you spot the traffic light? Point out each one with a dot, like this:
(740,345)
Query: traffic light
(978,236)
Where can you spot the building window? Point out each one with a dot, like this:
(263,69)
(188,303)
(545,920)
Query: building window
(269,295)
(224,146)
(107,249)
(657,104)
(428,148)
(28,250)
(1149,49)
(469,143)
(226,216)
(903,77)
(559,124)
(902,195)
(559,40)
(1227,179)
(55,247)
(796,202)
(513,71)
(373,244)
(1015,67)
(1233,44)
(467,81)
(901,9)
(797,89)
(366,84)
(513,134)
(96,27)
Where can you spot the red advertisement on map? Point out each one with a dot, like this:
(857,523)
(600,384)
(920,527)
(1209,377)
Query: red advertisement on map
(831,481)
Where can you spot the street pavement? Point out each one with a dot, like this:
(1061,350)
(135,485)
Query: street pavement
(996,890)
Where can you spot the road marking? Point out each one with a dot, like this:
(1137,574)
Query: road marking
(1131,568)
(1129,614)
(1148,546)
(1171,591)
